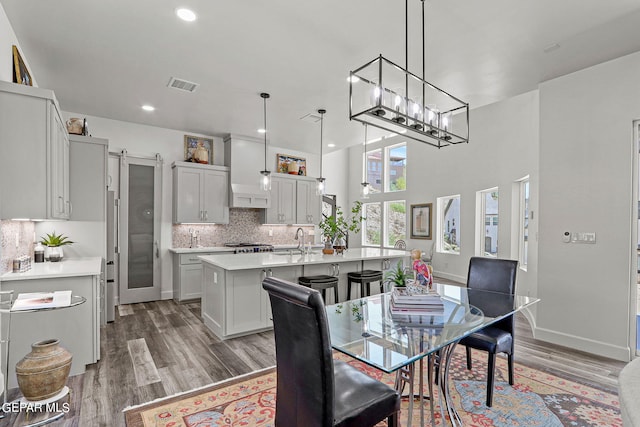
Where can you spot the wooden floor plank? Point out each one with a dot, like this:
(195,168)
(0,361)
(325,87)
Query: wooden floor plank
(186,355)
(143,366)
(125,310)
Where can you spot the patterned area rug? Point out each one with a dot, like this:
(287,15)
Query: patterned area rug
(536,399)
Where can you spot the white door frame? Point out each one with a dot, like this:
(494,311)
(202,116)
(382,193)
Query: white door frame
(126,295)
(633,286)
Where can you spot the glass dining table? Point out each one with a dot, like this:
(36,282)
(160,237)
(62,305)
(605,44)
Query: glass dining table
(366,330)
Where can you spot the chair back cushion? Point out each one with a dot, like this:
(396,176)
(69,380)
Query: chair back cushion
(492,274)
(305,391)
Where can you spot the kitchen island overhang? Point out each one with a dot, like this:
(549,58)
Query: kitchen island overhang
(233,301)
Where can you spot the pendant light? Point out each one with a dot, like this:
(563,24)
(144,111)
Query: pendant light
(320,181)
(265,180)
(365,189)
(390,97)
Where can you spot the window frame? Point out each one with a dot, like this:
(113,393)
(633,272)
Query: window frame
(485,220)
(524,200)
(440,226)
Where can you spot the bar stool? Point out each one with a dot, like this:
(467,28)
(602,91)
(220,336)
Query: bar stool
(321,283)
(364,277)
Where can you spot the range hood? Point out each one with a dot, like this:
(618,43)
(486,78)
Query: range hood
(244,156)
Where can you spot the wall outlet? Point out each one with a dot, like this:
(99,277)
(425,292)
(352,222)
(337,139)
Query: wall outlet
(271,232)
(312,232)
(215,277)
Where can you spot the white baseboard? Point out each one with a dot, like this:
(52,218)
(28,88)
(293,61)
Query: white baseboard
(455,278)
(583,344)
(166,294)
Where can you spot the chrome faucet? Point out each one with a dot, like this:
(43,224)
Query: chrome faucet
(300,232)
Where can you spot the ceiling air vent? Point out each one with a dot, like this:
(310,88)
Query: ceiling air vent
(310,118)
(182,85)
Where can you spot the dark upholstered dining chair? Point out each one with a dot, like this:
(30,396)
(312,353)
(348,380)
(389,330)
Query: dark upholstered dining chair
(313,389)
(496,275)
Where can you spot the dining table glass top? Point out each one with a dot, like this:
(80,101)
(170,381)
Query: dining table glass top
(366,330)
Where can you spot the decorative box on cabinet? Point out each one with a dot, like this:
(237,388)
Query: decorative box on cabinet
(293,201)
(200,193)
(34,154)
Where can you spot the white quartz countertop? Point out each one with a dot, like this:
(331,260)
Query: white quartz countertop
(66,268)
(223,249)
(275,259)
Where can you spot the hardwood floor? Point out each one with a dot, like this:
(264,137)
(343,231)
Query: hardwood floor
(161,348)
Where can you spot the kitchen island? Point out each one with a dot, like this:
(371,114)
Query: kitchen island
(234,303)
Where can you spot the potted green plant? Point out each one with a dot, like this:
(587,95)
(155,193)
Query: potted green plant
(54,243)
(335,229)
(397,277)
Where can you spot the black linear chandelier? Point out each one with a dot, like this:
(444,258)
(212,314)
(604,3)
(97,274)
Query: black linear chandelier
(388,96)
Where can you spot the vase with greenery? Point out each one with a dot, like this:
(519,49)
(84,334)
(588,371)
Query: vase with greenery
(54,243)
(397,277)
(335,229)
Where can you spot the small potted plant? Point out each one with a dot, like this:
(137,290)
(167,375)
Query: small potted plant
(335,229)
(397,277)
(54,243)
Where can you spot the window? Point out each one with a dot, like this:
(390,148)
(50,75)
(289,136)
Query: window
(487,236)
(374,170)
(386,219)
(449,224)
(395,221)
(396,167)
(372,224)
(523,247)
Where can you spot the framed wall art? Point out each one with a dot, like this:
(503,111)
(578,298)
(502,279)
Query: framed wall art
(20,72)
(421,216)
(198,149)
(291,165)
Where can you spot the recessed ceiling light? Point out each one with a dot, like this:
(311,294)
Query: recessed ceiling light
(148,107)
(186,14)
(262,131)
(331,145)
(353,79)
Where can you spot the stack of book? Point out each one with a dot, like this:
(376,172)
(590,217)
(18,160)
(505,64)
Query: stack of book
(415,301)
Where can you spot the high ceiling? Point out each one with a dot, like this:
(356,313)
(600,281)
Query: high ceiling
(108,58)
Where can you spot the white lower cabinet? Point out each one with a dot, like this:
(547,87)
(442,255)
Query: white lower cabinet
(234,303)
(187,276)
(77,328)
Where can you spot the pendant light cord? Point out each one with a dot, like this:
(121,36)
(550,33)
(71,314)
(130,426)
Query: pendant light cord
(424,67)
(321,111)
(265,131)
(364,150)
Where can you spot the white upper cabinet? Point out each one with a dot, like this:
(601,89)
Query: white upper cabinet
(293,201)
(308,203)
(34,155)
(88,178)
(200,193)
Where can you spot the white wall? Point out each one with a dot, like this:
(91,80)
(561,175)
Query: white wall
(7,39)
(336,171)
(503,148)
(169,143)
(586,155)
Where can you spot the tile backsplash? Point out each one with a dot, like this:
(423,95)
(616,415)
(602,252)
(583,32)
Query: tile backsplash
(244,226)
(17,239)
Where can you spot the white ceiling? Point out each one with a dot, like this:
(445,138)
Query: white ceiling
(107,58)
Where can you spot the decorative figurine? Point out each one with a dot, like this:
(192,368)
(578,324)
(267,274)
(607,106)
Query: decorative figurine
(422,273)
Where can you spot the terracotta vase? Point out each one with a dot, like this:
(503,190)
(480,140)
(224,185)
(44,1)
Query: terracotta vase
(44,371)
